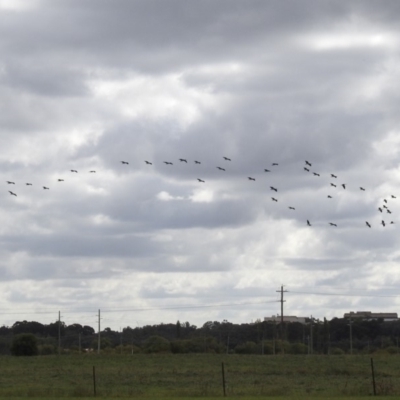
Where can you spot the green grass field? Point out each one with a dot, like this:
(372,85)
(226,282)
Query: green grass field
(189,376)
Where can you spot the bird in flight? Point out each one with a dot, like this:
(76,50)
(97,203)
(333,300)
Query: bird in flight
(291,208)
(197,162)
(124,162)
(272,188)
(275,163)
(332,184)
(28,184)
(12,193)
(361,188)
(148,162)
(384,206)
(308,223)
(227,159)
(92,172)
(329,197)
(380,209)
(308,163)
(333,176)
(385,200)
(388,211)
(183,160)
(74,170)
(267,170)
(393,197)
(344,185)
(368,224)
(11,183)
(316,174)
(383,222)
(332,224)
(274,199)
(306,169)
(200,180)
(220,168)
(168,163)
(251,179)
(46,188)
(60,180)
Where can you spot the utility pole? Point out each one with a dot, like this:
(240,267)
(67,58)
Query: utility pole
(351,335)
(98,340)
(311,335)
(59,333)
(281,301)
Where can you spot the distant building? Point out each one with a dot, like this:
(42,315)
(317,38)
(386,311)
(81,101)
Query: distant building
(368,315)
(286,318)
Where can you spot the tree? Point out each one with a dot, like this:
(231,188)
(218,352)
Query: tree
(24,345)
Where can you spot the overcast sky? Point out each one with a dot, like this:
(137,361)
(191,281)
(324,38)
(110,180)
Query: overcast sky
(86,84)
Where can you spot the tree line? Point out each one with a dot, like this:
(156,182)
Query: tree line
(337,336)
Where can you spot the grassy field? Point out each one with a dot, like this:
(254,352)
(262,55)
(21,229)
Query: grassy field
(189,376)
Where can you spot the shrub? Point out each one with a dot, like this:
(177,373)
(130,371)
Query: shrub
(157,344)
(246,348)
(298,348)
(24,344)
(337,351)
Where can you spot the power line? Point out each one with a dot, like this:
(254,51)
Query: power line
(111,310)
(344,294)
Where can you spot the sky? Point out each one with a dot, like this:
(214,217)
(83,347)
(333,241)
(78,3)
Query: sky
(86,84)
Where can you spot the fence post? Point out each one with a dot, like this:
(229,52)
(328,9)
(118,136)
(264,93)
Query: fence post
(223,379)
(94,381)
(373,376)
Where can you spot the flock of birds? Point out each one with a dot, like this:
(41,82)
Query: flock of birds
(307,168)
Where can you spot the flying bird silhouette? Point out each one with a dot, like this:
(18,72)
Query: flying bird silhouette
(383,223)
(291,208)
(344,185)
(368,224)
(28,184)
(46,188)
(197,162)
(12,193)
(393,197)
(251,179)
(125,162)
(168,163)
(148,162)
(10,183)
(385,200)
(361,188)
(388,211)
(74,170)
(332,184)
(306,169)
(267,170)
(92,172)
(329,197)
(60,180)
(272,188)
(333,176)
(183,160)
(227,159)
(316,174)
(273,199)
(380,209)
(308,223)
(221,169)
(275,163)
(308,163)
(332,224)
(200,180)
